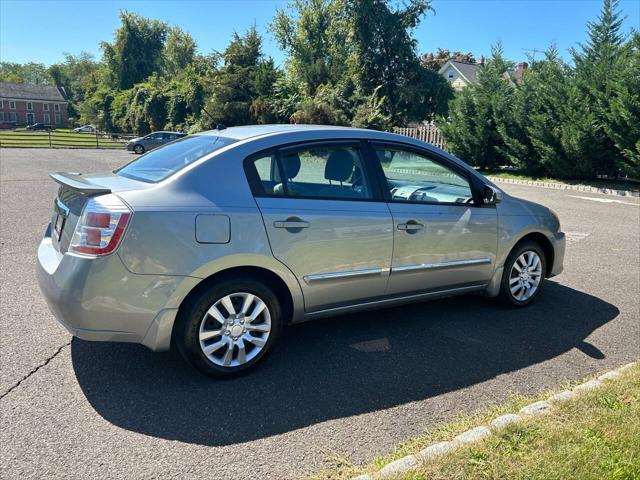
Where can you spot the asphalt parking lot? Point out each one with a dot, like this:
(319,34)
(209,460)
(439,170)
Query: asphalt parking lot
(353,386)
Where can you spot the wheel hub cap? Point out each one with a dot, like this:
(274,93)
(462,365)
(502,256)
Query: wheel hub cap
(237,330)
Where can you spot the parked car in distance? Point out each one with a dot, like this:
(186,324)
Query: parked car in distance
(151,141)
(40,127)
(218,240)
(85,129)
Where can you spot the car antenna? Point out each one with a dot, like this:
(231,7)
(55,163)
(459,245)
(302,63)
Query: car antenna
(220,126)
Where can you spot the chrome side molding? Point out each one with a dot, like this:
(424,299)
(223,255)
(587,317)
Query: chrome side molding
(316,277)
(431,266)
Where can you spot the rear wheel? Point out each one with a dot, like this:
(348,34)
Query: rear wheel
(139,149)
(523,275)
(230,327)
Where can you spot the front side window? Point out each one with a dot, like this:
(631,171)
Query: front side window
(413,177)
(332,172)
(161,163)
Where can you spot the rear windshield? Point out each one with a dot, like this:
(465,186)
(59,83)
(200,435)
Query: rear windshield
(163,162)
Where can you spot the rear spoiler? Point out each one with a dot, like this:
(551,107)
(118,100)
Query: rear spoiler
(77,182)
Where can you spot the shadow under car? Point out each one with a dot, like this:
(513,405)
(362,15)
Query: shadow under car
(336,367)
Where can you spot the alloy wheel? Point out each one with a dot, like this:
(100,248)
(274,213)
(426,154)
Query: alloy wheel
(235,329)
(525,276)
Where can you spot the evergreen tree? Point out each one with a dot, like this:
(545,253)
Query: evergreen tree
(531,132)
(597,64)
(622,119)
(471,130)
(384,55)
(239,91)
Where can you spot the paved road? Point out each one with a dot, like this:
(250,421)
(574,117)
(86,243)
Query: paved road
(353,386)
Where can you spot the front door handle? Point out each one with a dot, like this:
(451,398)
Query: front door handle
(291,222)
(410,226)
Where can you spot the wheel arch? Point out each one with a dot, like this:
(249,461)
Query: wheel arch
(264,275)
(546,245)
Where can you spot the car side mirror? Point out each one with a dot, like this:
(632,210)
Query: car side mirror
(491,196)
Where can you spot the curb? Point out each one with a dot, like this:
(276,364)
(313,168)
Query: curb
(411,462)
(566,186)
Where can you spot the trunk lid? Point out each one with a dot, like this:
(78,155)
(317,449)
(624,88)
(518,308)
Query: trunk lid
(74,192)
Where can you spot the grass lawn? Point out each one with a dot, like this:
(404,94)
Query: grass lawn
(614,184)
(594,436)
(60,138)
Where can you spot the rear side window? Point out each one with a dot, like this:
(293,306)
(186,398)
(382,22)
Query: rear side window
(332,172)
(163,162)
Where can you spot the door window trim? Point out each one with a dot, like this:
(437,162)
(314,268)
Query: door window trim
(474,183)
(255,182)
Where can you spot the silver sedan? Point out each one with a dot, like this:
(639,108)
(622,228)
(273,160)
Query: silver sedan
(216,241)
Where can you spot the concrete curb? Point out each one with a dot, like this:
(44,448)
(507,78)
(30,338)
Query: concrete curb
(411,462)
(566,186)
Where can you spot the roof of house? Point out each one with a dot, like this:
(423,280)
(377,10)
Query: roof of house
(467,70)
(25,91)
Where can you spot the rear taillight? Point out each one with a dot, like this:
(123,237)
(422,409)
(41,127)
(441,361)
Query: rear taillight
(101,226)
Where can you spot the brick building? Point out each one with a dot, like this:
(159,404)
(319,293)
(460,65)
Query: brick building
(22,104)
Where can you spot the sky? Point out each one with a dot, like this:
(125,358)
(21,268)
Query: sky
(41,31)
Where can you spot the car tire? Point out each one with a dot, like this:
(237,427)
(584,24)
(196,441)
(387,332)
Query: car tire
(204,336)
(523,275)
(139,149)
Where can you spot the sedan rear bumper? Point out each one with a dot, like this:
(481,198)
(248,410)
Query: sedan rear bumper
(98,299)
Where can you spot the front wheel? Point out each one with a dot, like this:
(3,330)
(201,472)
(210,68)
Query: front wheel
(230,327)
(523,276)
(139,149)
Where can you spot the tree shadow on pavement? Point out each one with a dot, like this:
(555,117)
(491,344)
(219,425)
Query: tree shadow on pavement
(337,367)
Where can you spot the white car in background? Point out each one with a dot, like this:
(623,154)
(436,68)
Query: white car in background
(85,129)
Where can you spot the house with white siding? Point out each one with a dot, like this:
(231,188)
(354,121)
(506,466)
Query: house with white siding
(462,74)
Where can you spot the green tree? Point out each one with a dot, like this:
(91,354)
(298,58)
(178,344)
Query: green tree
(78,75)
(179,51)
(32,72)
(239,91)
(622,118)
(137,51)
(435,61)
(597,64)
(471,131)
(314,34)
(531,124)
(384,53)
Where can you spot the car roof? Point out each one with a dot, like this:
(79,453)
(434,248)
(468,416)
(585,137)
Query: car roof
(261,131)
(249,131)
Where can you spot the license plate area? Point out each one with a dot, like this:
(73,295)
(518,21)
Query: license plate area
(61,213)
(58,226)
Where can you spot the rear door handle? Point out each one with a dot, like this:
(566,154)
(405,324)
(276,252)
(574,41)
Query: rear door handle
(291,223)
(410,226)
